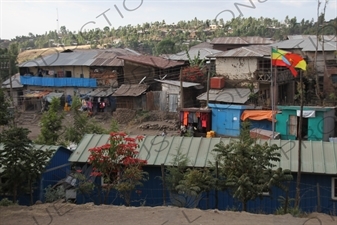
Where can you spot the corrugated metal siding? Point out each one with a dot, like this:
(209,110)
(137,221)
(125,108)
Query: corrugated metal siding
(317,156)
(152,192)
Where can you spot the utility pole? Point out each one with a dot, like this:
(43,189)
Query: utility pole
(208,77)
(298,182)
(181,89)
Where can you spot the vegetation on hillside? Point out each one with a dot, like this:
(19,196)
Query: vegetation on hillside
(150,38)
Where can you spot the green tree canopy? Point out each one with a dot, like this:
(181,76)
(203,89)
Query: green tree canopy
(248,168)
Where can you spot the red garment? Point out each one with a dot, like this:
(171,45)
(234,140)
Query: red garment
(186,118)
(203,118)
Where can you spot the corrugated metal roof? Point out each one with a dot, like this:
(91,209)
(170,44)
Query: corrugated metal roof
(15,82)
(101,92)
(91,57)
(35,94)
(203,45)
(249,51)
(108,57)
(131,90)
(317,156)
(327,38)
(306,44)
(75,58)
(52,95)
(251,40)
(157,62)
(205,53)
(228,95)
(177,83)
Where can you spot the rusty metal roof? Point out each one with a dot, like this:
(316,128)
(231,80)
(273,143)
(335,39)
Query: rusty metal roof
(204,53)
(35,94)
(153,61)
(248,51)
(101,92)
(242,40)
(177,83)
(130,90)
(108,57)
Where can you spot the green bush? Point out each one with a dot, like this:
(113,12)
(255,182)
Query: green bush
(54,194)
(6,202)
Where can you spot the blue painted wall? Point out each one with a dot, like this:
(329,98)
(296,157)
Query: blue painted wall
(57,169)
(152,195)
(58,82)
(226,119)
(262,124)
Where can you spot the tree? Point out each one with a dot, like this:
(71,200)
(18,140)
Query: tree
(4,113)
(247,168)
(117,164)
(51,124)
(21,164)
(186,185)
(165,47)
(81,125)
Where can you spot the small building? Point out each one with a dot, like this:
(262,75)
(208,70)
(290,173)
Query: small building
(226,119)
(56,170)
(172,89)
(131,96)
(318,123)
(318,178)
(197,119)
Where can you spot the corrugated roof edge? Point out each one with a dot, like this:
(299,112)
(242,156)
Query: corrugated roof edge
(153,150)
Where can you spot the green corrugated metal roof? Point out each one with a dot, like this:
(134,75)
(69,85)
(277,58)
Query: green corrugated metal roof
(317,156)
(38,147)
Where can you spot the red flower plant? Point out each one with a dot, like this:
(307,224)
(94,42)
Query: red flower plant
(110,160)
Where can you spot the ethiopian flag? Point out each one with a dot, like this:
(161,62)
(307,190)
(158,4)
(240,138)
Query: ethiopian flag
(288,59)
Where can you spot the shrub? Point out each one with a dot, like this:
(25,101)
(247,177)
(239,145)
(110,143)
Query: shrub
(54,194)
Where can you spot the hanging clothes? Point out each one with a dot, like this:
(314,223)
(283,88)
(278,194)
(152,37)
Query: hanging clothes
(195,118)
(190,117)
(203,118)
(197,114)
(181,117)
(186,118)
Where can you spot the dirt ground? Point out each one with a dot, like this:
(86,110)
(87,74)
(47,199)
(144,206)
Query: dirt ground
(65,213)
(147,124)
(129,121)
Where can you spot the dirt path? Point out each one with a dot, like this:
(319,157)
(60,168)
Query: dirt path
(49,214)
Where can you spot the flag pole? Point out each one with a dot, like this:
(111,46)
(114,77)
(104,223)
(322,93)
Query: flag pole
(272,91)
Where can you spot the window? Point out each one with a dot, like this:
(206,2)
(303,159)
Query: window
(334,188)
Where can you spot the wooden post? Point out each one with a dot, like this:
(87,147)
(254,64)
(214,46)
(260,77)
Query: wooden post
(298,182)
(318,199)
(181,89)
(216,184)
(208,77)
(164,186)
